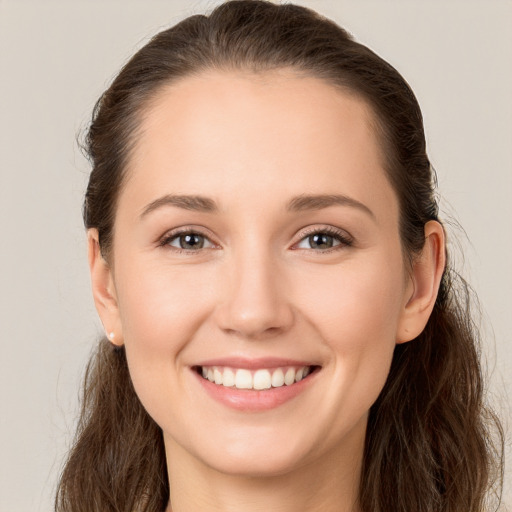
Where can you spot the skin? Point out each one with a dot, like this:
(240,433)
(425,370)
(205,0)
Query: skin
(258,288)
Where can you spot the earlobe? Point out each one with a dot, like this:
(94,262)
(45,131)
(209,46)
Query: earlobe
(425,279)
(103,289)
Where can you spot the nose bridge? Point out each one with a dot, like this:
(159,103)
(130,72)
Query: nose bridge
(255,302)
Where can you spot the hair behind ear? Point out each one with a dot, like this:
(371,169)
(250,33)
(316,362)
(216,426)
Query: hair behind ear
(430,437)
(117,461)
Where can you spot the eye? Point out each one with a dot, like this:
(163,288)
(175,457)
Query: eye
(325,239)
(189,241)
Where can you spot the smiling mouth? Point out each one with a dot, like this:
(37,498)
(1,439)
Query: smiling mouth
(259,379)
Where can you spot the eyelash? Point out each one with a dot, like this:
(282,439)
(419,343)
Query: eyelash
(168,238)
(344,239)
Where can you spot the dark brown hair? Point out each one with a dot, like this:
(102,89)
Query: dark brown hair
(429,445)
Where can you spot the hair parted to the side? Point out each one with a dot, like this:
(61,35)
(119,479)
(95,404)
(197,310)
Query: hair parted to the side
(432,445)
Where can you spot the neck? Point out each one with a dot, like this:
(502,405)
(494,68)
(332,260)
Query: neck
(330,484)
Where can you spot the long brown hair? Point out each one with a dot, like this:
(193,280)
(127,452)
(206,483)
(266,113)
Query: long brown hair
(430,445)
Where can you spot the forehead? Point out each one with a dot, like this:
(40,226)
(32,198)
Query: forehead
(241,108)
(243,135)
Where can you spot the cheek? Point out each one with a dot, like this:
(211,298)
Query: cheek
(364,299)
(161,307)
(161,310)
(356,313)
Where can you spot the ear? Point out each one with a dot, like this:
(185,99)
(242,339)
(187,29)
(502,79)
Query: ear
(423,286)
(103,289)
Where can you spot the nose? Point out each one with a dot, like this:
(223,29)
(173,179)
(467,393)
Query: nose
(254,303)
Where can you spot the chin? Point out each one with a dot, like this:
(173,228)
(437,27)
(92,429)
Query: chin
(256,455)
(261,466)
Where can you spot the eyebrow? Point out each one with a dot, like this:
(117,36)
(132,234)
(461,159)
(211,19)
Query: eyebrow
(193,203)
(296,204)
(320,201)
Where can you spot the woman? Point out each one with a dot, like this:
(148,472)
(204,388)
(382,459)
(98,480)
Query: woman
(283,330)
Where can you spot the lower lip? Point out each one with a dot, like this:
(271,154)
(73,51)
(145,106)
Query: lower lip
(255,400)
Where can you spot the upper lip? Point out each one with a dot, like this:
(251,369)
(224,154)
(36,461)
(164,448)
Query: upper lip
(254,363)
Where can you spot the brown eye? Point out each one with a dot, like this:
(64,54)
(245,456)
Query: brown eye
(325,239)
(191,241)
(188,241)
(321,241)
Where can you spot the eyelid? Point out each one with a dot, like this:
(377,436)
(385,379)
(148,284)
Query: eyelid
(168,236)
(345,239)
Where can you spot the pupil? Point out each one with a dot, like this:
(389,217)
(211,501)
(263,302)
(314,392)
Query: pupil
(321,241)
(191,241)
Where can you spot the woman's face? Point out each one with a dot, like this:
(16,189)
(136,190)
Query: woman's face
(256,241)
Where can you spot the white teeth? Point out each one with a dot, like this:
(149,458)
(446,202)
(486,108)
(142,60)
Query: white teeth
(289,377)
(262,380)
(228,378)
(278,378)
(258,380)
(217,376)
(243,379)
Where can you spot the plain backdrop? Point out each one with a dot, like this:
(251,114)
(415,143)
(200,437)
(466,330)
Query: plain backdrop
(56,57)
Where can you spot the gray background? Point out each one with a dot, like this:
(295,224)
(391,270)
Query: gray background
(55,60)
